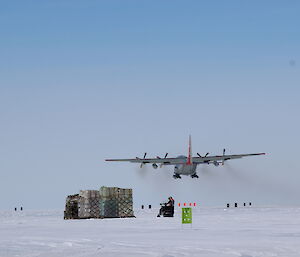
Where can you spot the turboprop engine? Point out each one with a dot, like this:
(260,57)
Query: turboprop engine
(216,163)
(154,165)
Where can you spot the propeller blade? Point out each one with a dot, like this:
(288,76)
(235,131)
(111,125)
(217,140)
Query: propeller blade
(161,165)
(206,154)
(142,164)
(145,155)
(199,155)
(223,155)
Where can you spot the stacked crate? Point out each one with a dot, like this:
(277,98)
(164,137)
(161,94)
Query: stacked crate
(108,202)
(71,210)
(89,204)
(125,203)
(116,202)
(108,208)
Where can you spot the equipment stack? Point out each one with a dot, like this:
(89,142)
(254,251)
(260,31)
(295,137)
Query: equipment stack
(108,202)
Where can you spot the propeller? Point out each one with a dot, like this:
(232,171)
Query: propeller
(223,161)
(164,158)
(202,156)
(142,164)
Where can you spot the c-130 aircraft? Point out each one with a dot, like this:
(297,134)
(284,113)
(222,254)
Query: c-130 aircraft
(185,165)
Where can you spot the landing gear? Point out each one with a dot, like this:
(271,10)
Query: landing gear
(194,176)
(176,176)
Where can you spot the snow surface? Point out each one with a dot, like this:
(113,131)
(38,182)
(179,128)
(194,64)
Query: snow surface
(216,232)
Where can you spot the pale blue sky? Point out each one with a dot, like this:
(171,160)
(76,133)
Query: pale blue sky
(81,82)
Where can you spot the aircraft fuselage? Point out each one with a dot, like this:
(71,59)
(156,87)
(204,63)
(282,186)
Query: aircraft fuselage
(185,169)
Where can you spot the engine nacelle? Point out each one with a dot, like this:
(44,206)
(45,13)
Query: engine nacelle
(216,163)
(154,165)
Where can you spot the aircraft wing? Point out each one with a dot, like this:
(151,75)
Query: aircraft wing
(210,159)
(183,160)
(165,161)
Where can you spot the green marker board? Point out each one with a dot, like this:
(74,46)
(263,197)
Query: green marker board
(186,215)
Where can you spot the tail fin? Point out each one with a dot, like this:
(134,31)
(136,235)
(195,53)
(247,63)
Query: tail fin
(190,159)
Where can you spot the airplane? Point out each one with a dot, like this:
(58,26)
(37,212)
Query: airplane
(183,165)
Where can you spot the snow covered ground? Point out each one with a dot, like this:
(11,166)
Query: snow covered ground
(244,232)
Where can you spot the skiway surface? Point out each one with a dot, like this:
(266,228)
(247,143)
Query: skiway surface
(236,232)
